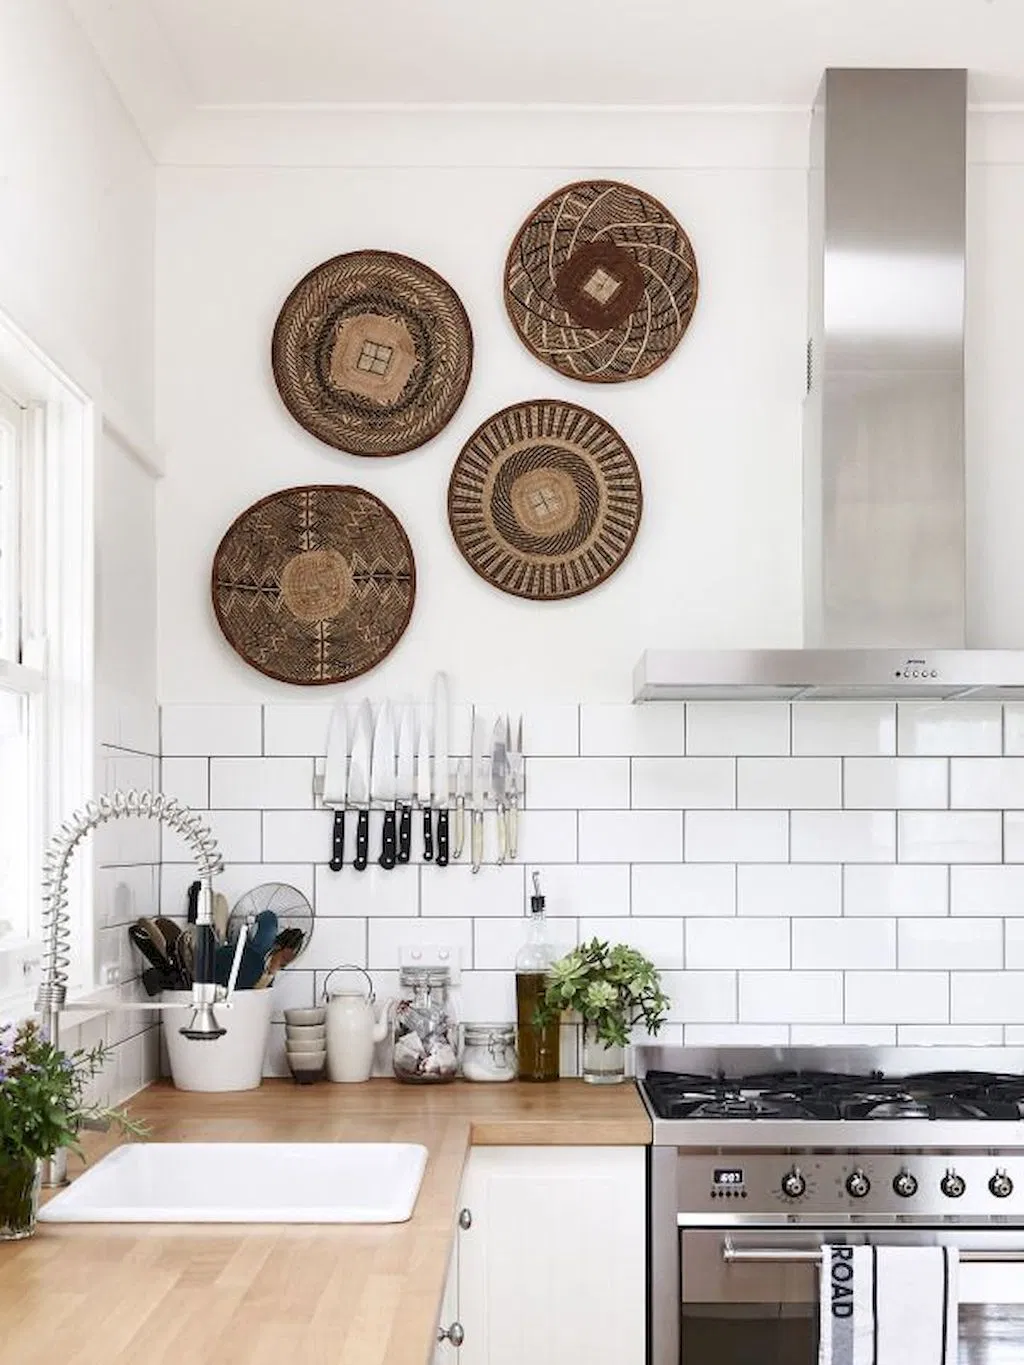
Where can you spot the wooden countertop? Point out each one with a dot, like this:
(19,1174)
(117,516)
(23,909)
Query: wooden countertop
(164,1294)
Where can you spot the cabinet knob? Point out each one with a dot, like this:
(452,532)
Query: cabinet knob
(455,1334)
(465,1219)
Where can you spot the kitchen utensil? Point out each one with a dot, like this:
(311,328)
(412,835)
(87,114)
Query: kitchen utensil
(182,951)
(275,913)
(352,1028)
(359,782)
(405,782)
(460,809)
(156,980)
(423,792)
(382,781)
(515,785)
(441,784)
(192,911)
(284,950)
(499,772)
(335,781)
(221,914)
(478,777)
(262,933)
(140,936)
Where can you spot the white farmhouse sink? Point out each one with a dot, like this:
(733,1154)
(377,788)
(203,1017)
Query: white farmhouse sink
(245,1182)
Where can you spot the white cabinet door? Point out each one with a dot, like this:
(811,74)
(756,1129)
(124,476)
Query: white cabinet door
(444,1352)
(552,1270)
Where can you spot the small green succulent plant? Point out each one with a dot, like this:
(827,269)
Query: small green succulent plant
(611,988)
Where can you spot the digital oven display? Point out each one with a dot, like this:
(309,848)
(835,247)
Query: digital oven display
(730,1175)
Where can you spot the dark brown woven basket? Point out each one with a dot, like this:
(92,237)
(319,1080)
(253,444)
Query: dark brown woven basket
(601,282)
(315,584)
(545,500)
(372,353)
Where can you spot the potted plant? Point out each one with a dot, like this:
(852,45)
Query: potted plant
(42,1108)
(611,989)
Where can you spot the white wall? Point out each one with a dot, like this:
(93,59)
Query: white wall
(715,432)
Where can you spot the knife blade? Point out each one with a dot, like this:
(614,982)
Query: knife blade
(359,782)
(441,780)
(499,772)
(478,778)
(423,791)
(382,781)
(406,781)
(515,784)
(336,781)
(460,809)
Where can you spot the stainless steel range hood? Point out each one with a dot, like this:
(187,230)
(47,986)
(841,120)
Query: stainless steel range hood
(884,541)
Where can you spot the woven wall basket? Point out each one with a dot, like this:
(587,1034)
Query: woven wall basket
(372,353)
(545,500)
(314,585)
(601,282)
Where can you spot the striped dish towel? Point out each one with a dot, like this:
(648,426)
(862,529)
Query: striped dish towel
(888,1306)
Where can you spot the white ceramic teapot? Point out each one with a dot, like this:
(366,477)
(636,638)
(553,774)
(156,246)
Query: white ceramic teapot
(352,1028)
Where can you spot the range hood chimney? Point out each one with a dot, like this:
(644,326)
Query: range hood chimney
(884,518)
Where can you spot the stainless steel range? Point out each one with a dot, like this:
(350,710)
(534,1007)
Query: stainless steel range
(761,1156)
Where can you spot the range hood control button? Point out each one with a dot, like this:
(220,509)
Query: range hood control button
(905,1184)
(952,1185)
(857,1184)
(793,1183)
(1001,1185)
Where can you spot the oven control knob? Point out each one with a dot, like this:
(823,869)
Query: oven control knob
(793,1183)
(952,1185)
(857,1184)
(905,1184)
(1001,1185)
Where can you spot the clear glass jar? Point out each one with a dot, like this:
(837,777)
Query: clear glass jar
(489,1052)
(426,1030)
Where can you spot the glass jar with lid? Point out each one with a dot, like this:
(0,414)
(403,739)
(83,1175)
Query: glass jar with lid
(426,1028)
(489,1052)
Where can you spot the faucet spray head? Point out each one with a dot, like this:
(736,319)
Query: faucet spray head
(203,1026)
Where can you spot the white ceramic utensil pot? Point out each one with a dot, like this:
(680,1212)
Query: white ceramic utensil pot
(233,1062)
(352,1029)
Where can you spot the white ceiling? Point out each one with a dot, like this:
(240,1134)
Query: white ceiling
(170,56)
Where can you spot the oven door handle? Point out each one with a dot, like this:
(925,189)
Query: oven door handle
(734,1255)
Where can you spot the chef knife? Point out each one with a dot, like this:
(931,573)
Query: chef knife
(423,792)
(406,782)
(382,780)
(359,782)
(441,784)
(335,783)
(478,777)
(460,809)
(515,785)
(499,772)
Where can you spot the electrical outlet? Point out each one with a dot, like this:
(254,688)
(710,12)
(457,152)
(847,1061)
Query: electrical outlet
(431,955)
(111,975)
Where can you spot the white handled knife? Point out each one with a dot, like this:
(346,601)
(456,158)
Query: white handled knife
(359,782)
(423,791)
(515,785)
(441,784)
(406,781)
(460,809)
(382,781)
(336,781)
(478,778)
(499,772)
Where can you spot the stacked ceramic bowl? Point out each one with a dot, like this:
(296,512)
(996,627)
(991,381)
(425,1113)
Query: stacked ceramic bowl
(305,1043)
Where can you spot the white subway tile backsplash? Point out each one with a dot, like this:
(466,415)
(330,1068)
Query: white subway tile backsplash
(660,939)
(294,988)
(987,997)
(737,943)
(1013,836)
(237,833)
(848,944)
(682,783)
(844,727)
(1013,930)
(963,727)
(895,783)
(986,783)
(233,882)
(842,1035)
(261,783)
(188,779)
(630,730)
(304,836)
(789,783)
(374,893)
(993,890)
(740,836)
(895,889)
(577,889)
(388,936)
(949,944)
(843,836)
(497,941)
(897,997)
(736,1035)
(767,997)
(550,731)
(336,939)
(788,889)
(487,997)
(1013,727)
(737,727)
(577,783)
(545,836)
(701,997)
(299,730)
(684,889)
(950,1035)
(207,730)
(457,891)
(950,837)
(630,836)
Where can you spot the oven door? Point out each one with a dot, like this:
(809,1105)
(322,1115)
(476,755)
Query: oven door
(751,1297)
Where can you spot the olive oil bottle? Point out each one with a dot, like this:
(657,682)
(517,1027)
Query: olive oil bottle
(537,1044)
